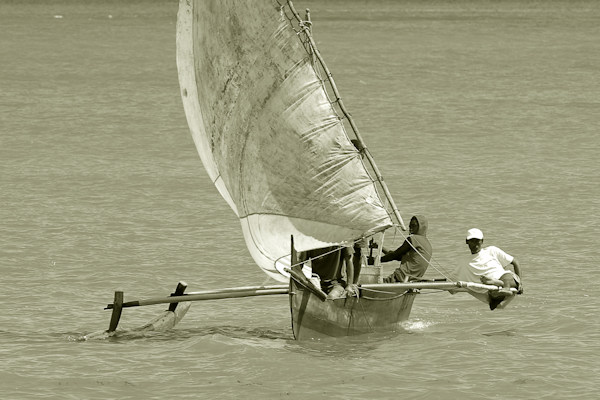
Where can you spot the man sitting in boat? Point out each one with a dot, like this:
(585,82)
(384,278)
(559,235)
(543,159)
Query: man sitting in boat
(414,254)
(330,263)
(492,266)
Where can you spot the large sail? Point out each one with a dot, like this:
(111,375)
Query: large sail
(267,134)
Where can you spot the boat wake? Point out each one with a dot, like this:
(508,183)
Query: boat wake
(416,326)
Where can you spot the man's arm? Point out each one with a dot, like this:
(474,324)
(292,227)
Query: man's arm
(516,267)
(398,253)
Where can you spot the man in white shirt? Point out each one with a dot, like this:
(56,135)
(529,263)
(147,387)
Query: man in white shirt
(489,265)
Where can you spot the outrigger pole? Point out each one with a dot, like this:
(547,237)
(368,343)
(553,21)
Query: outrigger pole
(180,297)
(226,293)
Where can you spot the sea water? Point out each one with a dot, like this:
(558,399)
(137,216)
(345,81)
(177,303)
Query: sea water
(479,113)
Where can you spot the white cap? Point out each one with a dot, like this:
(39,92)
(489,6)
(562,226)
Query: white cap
(474,233)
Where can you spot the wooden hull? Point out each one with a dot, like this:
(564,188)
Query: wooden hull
(372,312)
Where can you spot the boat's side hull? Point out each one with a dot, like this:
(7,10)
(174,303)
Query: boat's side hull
(373,312)
(165,321)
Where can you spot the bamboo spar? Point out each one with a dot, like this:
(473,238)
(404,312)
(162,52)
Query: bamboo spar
(449,286)
(250,291)
(365,150)
(216,294)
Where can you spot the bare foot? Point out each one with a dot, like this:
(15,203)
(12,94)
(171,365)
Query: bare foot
(505,291)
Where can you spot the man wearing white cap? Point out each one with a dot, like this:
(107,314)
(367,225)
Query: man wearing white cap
(489,265)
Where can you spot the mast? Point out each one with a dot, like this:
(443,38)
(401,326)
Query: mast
(306,25)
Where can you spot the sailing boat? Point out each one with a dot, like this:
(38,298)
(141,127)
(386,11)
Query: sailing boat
(274,136)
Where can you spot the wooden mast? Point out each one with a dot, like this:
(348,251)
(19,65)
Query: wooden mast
(306,28)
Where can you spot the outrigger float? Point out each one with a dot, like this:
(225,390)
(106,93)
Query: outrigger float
(277,141)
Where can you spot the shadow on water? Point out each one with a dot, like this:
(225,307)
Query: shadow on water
(240,332)
(355,346)
(339,347)
(508,332)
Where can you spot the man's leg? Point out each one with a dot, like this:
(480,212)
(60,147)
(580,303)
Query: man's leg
(491,281)
(505,282)
(508,281)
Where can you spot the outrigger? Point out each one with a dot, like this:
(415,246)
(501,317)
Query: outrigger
(179,304)
(379,308)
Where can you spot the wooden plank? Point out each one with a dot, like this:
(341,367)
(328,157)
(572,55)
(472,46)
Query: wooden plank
(293,254)
(181,286)
(297,276)
(117,309)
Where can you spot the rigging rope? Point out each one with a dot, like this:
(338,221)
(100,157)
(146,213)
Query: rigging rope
(431,261)
(303,28)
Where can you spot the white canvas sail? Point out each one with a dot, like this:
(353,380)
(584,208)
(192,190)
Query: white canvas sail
(267,134)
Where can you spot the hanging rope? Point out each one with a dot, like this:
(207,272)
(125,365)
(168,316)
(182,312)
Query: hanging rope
(432,261)
(365,316)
